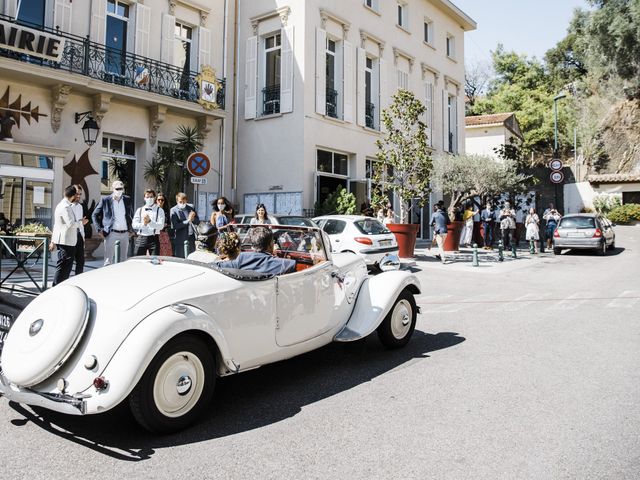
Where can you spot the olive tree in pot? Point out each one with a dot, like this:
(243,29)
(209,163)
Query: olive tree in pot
(465,177)
(404,163)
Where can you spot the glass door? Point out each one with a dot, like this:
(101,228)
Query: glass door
(11,200)
(38,202)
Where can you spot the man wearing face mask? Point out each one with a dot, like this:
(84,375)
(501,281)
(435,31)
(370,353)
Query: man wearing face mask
(184,220)
(112,218)
(147,222)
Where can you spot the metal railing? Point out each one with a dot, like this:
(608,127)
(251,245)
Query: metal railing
(332,102)
(369,115)
(271,100)
(97,61)
(19,249)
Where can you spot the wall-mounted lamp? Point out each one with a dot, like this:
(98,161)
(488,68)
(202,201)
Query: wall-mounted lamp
(90,128)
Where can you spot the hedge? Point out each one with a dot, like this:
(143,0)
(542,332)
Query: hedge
(625,213)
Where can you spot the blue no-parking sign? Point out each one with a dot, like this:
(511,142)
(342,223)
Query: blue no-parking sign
(198,164)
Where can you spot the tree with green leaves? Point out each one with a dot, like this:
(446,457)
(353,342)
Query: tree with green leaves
(404,160)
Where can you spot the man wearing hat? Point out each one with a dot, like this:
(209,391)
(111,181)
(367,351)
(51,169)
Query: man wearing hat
(112,218)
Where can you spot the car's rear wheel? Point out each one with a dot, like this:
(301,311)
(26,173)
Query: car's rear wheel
(397,327)
(176,387)
(612,247)
(602,249)
(557,251)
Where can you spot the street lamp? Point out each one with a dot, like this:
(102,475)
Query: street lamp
(555,123)
(90,128)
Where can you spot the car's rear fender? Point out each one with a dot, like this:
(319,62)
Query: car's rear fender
(134,355)
(375,299)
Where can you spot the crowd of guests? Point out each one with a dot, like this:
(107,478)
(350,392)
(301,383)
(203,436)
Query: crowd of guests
(155,229)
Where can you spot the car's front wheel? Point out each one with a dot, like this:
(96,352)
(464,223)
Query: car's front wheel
(396,329)
(176,387)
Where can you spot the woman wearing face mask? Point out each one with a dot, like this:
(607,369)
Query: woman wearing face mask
(261,218)
(184,220)
(166,249)
(222,212)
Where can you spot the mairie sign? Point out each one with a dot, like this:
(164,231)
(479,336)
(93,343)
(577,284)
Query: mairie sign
(31,42)
(198,164)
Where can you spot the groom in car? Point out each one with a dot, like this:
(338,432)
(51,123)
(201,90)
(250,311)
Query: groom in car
(261,258)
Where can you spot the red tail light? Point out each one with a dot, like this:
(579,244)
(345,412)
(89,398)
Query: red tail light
(364,240)
(597,233)
(556,233)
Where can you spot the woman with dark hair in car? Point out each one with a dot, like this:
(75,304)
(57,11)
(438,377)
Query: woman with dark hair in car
(222,213)
(262,217)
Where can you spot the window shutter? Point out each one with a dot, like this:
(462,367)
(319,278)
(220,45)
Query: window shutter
(168,38)
(361,87)
(429,112)
(454,114)
(143,28)
(98,21)
(11,8)
(445,122)
(286,69)
(62,15)
(251,81)
(384,92)
(204,47)
(347,84)
(321,72)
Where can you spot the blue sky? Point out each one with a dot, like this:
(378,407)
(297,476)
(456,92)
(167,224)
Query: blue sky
(526,26)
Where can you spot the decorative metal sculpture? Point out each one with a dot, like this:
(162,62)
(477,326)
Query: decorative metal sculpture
(12,113)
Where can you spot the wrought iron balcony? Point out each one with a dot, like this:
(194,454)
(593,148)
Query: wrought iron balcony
(271,100)
(332,102)
(84,57)
(369,113)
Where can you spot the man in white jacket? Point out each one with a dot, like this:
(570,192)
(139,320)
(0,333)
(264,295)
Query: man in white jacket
(65,234)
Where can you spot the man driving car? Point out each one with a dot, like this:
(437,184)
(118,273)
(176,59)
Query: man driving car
(261,259)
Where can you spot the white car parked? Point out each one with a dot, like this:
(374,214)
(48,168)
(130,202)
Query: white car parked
(157,332)
(364,236)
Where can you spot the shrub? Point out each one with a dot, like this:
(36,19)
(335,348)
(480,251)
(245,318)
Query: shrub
(625,213)
(605,202)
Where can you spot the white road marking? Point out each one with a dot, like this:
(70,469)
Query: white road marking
(572,302)
(627,299)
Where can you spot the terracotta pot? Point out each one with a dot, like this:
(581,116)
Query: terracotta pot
(406,234)
(90,246)
(454,229)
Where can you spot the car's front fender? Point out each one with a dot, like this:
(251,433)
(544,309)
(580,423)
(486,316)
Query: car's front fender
(134,355)
(375,299)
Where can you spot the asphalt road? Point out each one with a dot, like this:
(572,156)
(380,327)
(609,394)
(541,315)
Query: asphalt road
(528,369)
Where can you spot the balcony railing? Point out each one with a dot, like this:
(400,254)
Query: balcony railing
(332,102)
(369,113)
(271,100)
(84,57)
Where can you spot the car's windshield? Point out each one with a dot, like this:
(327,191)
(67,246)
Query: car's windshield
(303,244)
(300,221)
(578,222)
(370,226)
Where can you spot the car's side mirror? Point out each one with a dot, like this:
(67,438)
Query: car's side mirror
(613,224)
(389,262)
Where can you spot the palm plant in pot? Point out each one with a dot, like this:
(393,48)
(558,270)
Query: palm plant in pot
(404,164)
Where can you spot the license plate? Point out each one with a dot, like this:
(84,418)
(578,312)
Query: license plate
(6,321)
(385,243)
(575,234)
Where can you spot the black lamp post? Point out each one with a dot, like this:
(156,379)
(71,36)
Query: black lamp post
(90,129)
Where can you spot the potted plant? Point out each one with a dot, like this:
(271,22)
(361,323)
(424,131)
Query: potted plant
(26,245)
(404,164)
(465,177)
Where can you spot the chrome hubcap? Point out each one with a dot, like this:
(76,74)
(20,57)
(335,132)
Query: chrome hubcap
(178,384)
(401,319)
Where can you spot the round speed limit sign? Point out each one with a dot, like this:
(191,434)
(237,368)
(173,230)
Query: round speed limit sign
(555,164)
(556,177)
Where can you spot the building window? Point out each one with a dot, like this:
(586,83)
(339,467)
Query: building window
(118,163)
(403,80)
(272,62)
(372,4)
(31,13)
(429,104)
(116,37)
(402,15)
(332,92)
(182,46)
(452,124)
(332,163)
(368,95)
(428,31)
(451,47)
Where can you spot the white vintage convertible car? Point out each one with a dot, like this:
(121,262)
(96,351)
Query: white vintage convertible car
(157,332)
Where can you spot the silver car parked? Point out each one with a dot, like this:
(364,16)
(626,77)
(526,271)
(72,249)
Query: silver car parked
(584,231)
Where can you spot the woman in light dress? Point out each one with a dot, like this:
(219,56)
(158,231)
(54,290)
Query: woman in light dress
(532,224)
(467,231)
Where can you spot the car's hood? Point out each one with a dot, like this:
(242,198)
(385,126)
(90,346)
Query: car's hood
(122,286)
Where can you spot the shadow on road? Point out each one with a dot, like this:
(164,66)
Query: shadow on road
(592,253)
(244,402)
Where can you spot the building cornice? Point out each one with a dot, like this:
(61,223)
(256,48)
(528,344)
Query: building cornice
(282,12)
(327,15)
(465,21)
(397,52)
(428,68)
(364,36)
(454,82)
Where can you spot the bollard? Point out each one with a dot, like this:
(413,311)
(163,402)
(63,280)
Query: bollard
(474,262)
(116,252)
(186,248)
(513,250)
(500,251)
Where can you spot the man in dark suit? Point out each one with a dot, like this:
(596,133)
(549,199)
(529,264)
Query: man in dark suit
(261,259)
(112,218)
(184,220)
